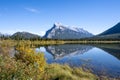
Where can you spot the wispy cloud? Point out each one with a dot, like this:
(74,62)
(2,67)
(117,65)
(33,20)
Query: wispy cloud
(33,10)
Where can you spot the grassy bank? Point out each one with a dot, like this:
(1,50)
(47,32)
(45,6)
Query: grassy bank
(55,42)
(32,43)
(12,69)
(64,72)
(91,42)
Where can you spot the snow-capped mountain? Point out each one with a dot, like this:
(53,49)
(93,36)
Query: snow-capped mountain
(59,31)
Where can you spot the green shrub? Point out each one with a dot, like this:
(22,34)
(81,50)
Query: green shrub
(29,56)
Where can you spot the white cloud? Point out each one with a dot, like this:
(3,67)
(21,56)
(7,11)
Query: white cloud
(33,10)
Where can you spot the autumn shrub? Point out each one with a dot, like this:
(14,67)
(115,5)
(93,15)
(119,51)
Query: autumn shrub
(10,69)
(26,65)
(29,56)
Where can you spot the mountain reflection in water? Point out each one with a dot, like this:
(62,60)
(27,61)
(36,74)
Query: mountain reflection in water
(60,51)
(102,59)
(113,49)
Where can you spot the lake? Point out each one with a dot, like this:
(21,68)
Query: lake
(102,59)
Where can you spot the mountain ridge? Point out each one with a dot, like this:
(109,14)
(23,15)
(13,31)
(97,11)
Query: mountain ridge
(113,30)
(24,35)
(112,33)
(59,31)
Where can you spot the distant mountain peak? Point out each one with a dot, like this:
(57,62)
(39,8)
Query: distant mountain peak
(24,35)
(59,31)
(57,24)
(61,26)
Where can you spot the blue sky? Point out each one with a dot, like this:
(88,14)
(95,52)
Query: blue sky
(37,16)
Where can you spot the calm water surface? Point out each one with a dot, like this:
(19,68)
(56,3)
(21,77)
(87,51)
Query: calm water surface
(101,59)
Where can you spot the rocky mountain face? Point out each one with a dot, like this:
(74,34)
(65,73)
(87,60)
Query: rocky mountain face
(24,35)
(59,31)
